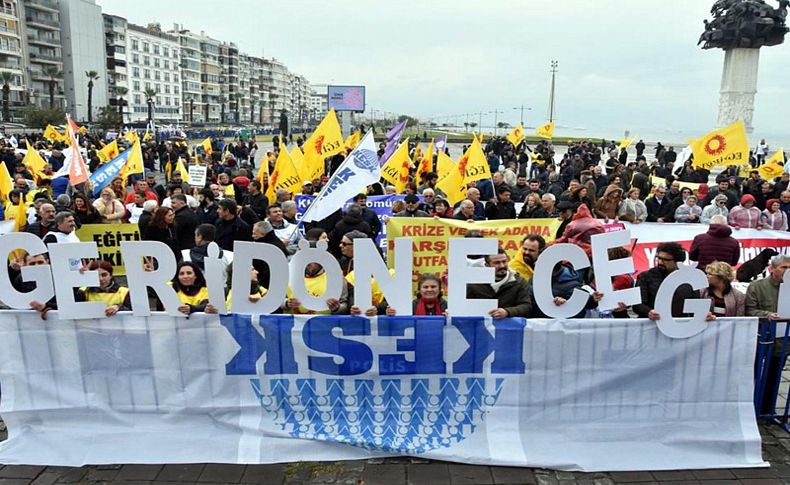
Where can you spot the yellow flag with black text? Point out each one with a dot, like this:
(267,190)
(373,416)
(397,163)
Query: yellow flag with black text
(626,143)
(452,183)
(353,140)
(474,163)
(206,144)
(108,152)
(724,146)
(516,136)
(326,141)
(284,176)
(134,164)
(773,167)
(396,170)
(545,130)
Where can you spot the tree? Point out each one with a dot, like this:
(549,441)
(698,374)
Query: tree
(92,76)
(149,98)
(410,121)
(191,110)
(473,125)
(284,123)
(121,92)
(502,124)
(222,100)
(466,126)
(252,111)
(52,73)
(238,97)
(36,117)
(6,78)
(109,118)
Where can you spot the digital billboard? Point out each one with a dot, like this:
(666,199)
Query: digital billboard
(346,98)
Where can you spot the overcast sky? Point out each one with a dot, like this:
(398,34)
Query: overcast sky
(623,64)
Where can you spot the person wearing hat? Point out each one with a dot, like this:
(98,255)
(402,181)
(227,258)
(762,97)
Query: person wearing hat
(746,215)
(502,207)
(307,187)
(411,210)
(565,210)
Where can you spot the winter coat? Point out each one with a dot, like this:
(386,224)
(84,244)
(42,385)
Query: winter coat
(500,210)
(633,210)
(648,283)
(713,210)
(656,210)
(347,224)
(562,285)
(715,245)
(734,302)
(742,217)
(512,296)
(775,220)
(186,223)
(684,212)
(233,230)
(605,207)
(581,228)
(166,236)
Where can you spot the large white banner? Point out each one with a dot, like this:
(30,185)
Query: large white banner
(574,394)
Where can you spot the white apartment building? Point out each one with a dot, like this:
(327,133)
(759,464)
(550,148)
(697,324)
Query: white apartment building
(154,74)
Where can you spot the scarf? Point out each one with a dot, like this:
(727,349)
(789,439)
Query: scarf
(423,309)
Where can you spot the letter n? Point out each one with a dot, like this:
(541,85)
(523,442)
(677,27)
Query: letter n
(275,342)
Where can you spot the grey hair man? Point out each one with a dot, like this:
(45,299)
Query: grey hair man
(762,296)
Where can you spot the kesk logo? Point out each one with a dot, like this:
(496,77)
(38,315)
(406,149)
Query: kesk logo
(365,160)
(715,145)
(409,402)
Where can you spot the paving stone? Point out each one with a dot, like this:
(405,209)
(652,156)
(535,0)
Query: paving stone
(432,473)
(564,476)
(761,481)
(742,473)
(350,472)
(674,475)
(46,478)
(179,473)
(264,474)
(603,481)
(714,474)
(681,482)
(718,482)
(470,474)
(632,477)
(74,475)
(138,472)
(21,471)
(507,474)
(391,474)
(221,472)
(14,481)
(545,479)
(97,475)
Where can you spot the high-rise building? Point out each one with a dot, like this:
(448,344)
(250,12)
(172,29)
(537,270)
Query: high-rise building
(117,63)
(11,57)
(318,103)
(201,72)
(153,60)
(82,42)
(41,46)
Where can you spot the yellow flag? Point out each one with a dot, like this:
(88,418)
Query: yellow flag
(773,167)
(725,146)
(131,136)
(6,182)
(417,154)
(108,152)
(33,161)
(396,170)
(181,168)
(626,143)
(284,176)
(516,136)
(206,144)
(474,164)
(134,164)
(147,136)
(52,134)
(452,184)
(20,215)
(353,140)
(82,130)
(299,162)
(545,130)
(443,164)
(424,163)
(326,140)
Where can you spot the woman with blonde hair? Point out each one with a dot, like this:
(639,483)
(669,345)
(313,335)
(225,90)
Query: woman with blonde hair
(109,207)
(725,301)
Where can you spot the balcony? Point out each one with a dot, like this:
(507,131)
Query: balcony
(38,57)
(46,5)
(46,22)
(40,39)
(10,50)
(8,11)
(10,66)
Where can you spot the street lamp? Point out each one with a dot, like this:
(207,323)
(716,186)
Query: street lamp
(496,113)
(522,108)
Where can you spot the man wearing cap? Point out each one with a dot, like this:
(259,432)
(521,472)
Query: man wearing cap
(565,214)
(502,207)
(412,202)
(307,187)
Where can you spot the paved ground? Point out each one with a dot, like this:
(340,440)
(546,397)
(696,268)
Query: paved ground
(399,471)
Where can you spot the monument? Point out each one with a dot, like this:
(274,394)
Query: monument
(741,28)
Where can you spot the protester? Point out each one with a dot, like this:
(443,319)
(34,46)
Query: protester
(508,288)
(659,206)
(725,301)
(115,296)
(717,244)
(745,215)
(230,227)
(773,217)
(633,209)
(501,207)
(162,228)
(524,261)
(111,210)
(607,206)
(689,211)
(429,299)
(190,286)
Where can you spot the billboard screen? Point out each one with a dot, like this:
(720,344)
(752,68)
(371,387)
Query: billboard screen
(346,98)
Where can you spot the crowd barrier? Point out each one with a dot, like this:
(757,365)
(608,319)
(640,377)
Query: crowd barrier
(771,401)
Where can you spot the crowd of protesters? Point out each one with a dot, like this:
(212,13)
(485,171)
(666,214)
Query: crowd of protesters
(581,187)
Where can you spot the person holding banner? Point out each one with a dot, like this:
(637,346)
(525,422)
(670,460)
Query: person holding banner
(109,291)
(508,288)
(430,300)
(725,301)
(190,286)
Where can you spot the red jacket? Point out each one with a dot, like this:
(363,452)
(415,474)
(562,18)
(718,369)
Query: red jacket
(715,245)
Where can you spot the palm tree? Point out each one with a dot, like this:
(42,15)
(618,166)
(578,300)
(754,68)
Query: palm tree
(149,98)
(121,92)
(52,73)
(252,111)
(222,100)
(6,78)
(92,76)
(238,97)
(191,110)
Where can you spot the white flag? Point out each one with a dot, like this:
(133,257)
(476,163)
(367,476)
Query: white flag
(360,169)
(14,143)
(684,155)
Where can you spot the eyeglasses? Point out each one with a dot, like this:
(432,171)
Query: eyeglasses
(346,244)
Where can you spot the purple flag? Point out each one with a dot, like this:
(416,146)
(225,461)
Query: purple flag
(440,143)
(393,137)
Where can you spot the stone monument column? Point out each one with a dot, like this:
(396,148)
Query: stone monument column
(738,86)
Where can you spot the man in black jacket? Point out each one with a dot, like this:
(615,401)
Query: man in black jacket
(230,227)
(509,289)
(659,207)
(256,200)
(368,215)
(503,207)
(186,222)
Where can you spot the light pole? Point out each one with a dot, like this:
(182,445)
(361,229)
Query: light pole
(551,100)
(522,108)
(496,113)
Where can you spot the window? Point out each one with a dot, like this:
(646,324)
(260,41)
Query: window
(135,45)
(167,89)
(158,100)
(157,75)
(146,60)
(147,73)
(175,52)
(158,88)
(166,64)
(136,72)
(175,89)
(120,50)
(147,85)
(167,101)
(167,77)
(156,49)
(175,78)
(166,51)
(146,47)
(136,86)
(136,58)
(156,62)
(137,99)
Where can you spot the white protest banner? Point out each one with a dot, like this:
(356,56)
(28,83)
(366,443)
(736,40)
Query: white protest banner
(197,175)
(572,394)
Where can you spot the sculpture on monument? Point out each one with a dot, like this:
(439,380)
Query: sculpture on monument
(741,28)
(744,24)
